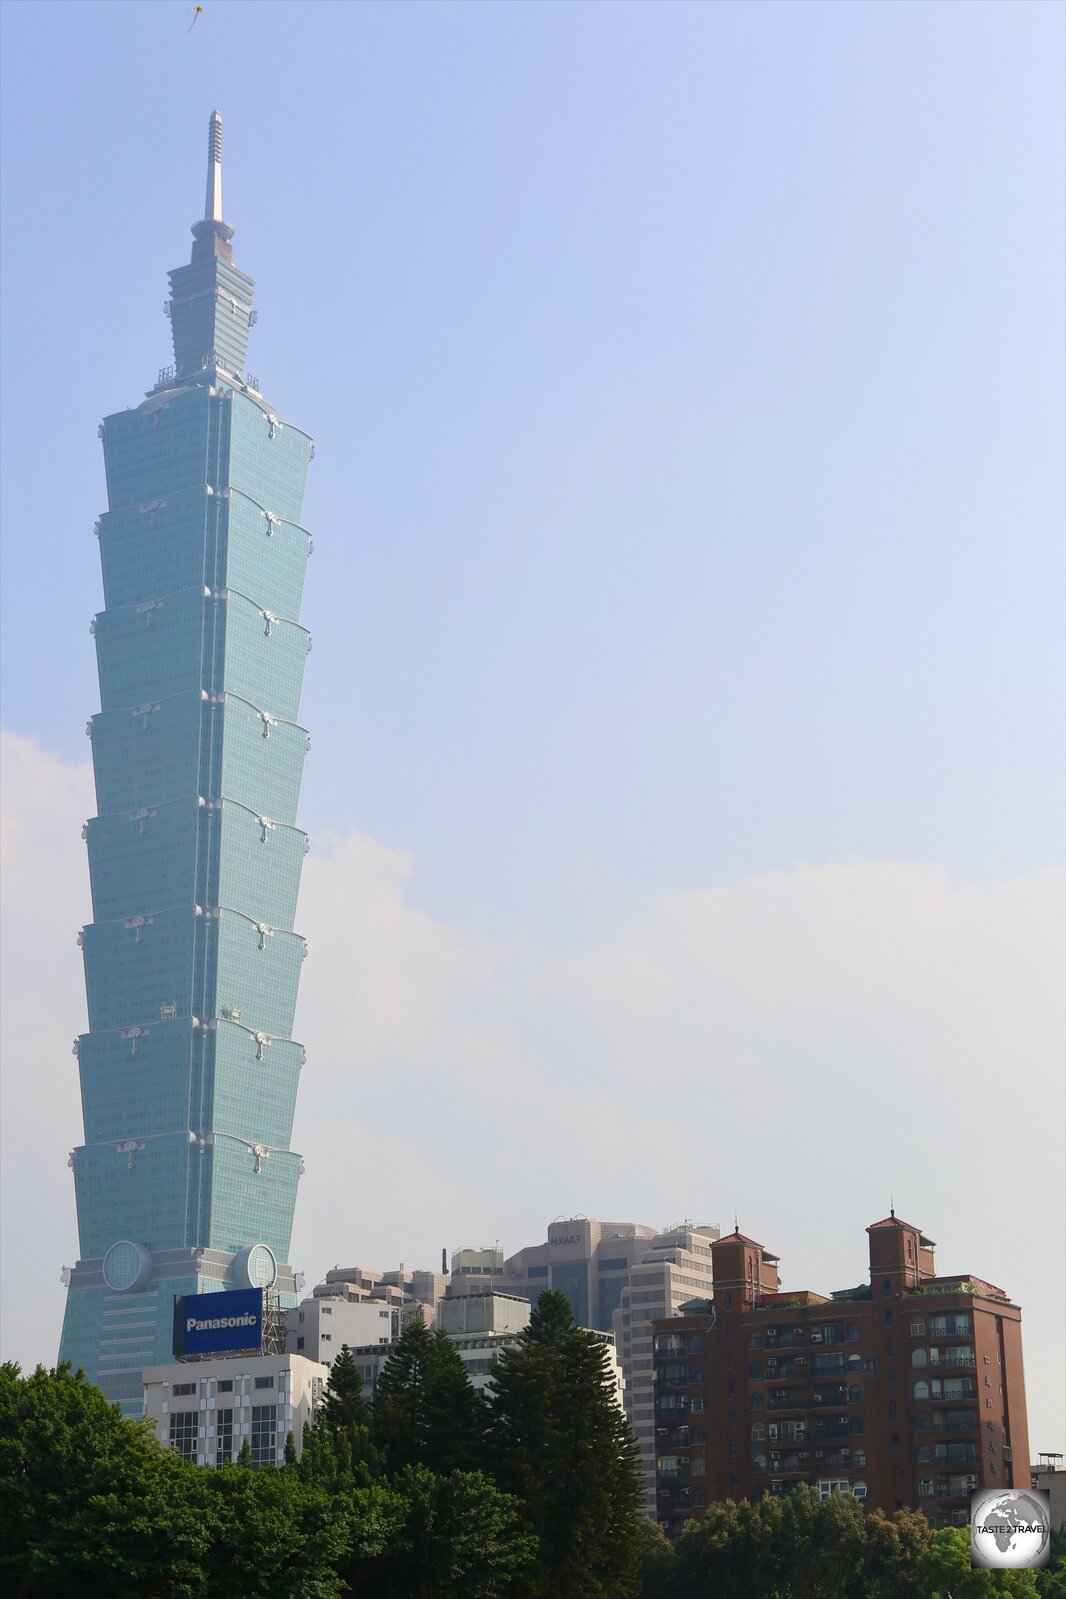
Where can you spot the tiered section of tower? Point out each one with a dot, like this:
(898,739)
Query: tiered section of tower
(188,1071)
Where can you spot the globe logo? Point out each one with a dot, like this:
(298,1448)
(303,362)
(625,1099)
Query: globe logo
(1010,1530)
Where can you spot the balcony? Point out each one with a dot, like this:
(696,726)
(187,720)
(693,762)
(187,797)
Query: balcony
(787,1371)
(670,1406)
(797,1400)
(674,1501)
(951,1357)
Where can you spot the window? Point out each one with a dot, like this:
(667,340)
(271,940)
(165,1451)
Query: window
(921,1390)
(919,1357)
(183,1388)
(755,1340)
(855,1395)
(223,1436)
(755,1402)
(264,1434)
(951,1326)
(225,1385)
(696,1406)
(755,1368)
(925,1454)
(891,1378)
(264,1382)
(925,1487)
(184,1425)
(917,1329)
(851,1333)
(758,1462)
(758,1431)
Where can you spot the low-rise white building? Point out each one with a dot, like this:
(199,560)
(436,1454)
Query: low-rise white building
(206,1409)
(318,1329)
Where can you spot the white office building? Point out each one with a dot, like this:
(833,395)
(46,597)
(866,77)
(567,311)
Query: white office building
(318,1329)
(207,1409)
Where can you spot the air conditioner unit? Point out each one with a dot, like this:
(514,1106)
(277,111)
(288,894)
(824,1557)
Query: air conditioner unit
(816,1338)
(845,1451)
(801,1360)
(818,1453)
(775,1454)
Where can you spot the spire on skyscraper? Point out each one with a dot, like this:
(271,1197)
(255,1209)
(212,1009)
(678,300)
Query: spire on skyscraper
(212,234)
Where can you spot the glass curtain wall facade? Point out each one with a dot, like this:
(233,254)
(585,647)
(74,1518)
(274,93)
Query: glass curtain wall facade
(186,1182)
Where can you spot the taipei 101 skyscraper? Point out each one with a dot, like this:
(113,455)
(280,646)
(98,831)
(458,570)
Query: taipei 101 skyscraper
(186,1182)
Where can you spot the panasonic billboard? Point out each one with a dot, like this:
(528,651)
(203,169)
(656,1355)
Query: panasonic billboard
(218,1324)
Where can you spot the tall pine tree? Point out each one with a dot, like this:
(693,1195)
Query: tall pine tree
(561,1444)
(426,1411)
(343,1406)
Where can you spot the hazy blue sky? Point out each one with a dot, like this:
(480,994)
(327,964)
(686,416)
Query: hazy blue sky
(687,690)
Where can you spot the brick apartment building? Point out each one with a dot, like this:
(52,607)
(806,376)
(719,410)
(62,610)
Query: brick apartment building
(904,1391)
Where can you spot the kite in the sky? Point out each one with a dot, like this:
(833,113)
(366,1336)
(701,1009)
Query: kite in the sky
(196,12)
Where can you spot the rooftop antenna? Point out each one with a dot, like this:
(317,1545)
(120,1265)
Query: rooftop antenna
(891,1203)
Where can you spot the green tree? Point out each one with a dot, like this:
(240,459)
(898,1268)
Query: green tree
(274,1536)
(90,1499)
(459,1537)
(944,1568)
(734,1551)
(426,1411)
(560,1444)
(794,1546)
(893,1546)
(1051,1582)
(344,1406)
(655,1572)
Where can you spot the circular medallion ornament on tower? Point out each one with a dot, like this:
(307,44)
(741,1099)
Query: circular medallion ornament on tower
(256,1266)
(126,1266)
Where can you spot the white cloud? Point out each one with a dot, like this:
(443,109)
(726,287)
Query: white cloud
(794,1046)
